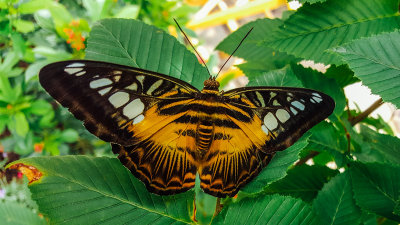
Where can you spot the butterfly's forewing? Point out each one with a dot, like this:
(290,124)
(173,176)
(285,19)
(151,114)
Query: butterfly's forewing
(126,106)
(267,119)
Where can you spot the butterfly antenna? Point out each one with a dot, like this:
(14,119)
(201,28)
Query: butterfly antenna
(192,46)
(235,50)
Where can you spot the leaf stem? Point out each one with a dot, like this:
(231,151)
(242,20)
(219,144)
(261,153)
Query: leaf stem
(218,207)
(354,120)
(310,155)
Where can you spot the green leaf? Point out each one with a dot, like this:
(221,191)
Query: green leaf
(21,124)
(60,15)
(19,44)
(33,6)
(40,107)
(96,9)
(335,204)
(128,12)
(149,48)
(302,182)
(378,147)
(376,187)
(326,137)
(69,136)
(277,168)
(375,61)
(83,190)
(342,74)
(250,50)
(12,213)
(315,80)
(268,209)
(260,58)
(23,26)
(34,68)
(281,78)
(9,61)
(321,26)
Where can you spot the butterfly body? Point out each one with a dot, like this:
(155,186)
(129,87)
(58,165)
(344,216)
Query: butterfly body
(165,131)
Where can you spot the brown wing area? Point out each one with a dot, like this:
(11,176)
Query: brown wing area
(161,157)
(267,120)
(237,157)
(107,97)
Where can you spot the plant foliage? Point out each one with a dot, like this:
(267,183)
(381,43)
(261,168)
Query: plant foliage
(354,179)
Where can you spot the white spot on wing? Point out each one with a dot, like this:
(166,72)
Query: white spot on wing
(293,110)
(72,70)
(80,73)
(272,94)
(133,109)
(154,86)
(140,79)
(76,65)
(260,98)
(282,115)
(276,103)
(104,91)
(270,121)
(132,87)
(116,78)
(119,99)
(317,99)
(100,83)
(316,94)
(264,128)
(298,105)
(138,119)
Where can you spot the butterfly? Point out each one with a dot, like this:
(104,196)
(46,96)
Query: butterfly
(165,131)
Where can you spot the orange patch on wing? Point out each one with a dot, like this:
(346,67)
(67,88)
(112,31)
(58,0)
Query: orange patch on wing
(31,172)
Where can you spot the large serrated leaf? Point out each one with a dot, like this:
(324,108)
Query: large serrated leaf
(268,209)
(302,182)
(281,78)
(335,204)
(375,60)
(83,190)
(378,147)
(277,168)
(320,26)
(376,187)
(12,213)
(134,43)
(263,56)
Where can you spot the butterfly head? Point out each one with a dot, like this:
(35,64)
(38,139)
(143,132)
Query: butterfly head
(211,84)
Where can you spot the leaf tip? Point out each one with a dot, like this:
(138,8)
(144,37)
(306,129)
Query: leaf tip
(31,172)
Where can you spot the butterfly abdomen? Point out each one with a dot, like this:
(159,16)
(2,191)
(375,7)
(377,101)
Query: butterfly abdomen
(204,136)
